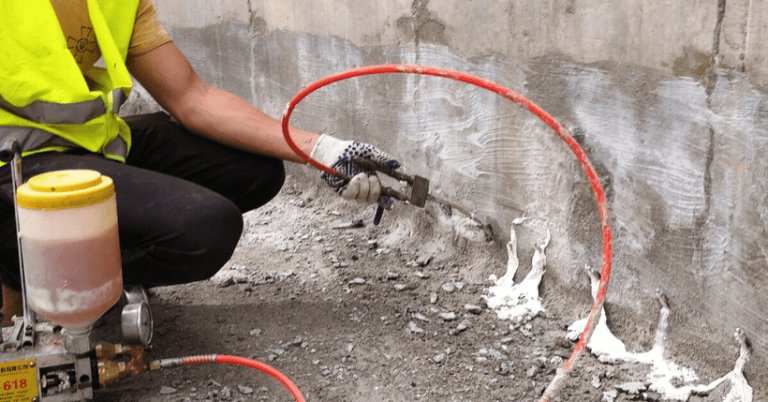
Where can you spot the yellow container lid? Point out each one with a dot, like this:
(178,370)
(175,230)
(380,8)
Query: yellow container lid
(64,189)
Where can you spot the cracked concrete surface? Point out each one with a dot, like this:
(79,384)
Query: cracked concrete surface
(672,381)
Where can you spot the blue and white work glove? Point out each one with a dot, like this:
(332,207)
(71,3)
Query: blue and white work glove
(339,154)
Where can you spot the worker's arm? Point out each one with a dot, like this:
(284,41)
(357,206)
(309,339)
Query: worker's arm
(225,118)
(210,112)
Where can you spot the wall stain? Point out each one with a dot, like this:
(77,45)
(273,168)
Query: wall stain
(422,25)
(570,7)
(256,24)
(603,173)
(692,64)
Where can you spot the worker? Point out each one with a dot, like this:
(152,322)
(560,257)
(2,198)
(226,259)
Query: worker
(183,179)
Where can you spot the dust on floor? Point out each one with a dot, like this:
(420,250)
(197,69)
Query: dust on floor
(394,312)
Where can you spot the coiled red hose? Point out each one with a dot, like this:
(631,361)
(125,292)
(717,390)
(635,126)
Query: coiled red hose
(241,361)
(605,274)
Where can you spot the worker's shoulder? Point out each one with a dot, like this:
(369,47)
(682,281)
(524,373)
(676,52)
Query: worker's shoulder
(148,33)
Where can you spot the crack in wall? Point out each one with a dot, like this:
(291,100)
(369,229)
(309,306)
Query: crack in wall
(250,15)
(711,74)
(418,10)
(251,35)
(711,82)
(701,219)
(744,56)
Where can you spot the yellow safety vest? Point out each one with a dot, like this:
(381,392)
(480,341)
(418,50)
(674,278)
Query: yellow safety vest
(44,97)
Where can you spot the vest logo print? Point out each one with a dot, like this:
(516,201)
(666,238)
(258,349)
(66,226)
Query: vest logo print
(86,43)
(59,106)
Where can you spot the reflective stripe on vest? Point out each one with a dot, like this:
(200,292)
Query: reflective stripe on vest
(44,98)
(33,138)
(72,113)
(57,113)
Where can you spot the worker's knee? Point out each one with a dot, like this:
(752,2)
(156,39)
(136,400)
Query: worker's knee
(264,185)
(199,245)
(275,181)
(212,239)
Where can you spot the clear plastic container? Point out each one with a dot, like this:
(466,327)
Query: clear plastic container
(70,245)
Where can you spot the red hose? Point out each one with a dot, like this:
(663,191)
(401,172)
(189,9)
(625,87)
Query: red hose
(241,361)
(605,273)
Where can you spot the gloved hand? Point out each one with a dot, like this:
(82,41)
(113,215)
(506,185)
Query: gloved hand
(339,154)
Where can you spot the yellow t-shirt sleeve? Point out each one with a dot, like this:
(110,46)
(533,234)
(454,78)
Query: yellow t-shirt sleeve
(147,31)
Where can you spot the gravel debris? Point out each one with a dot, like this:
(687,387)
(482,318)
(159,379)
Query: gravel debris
(449,316)
(421,317)
(167,390)
(245,390)
(632,388)
(413,328)
(473,308)
(463,326)
(423,260)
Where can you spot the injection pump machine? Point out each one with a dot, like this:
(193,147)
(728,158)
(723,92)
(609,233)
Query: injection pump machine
(69,258)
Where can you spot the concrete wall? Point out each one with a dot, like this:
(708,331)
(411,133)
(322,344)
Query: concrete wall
(667,97)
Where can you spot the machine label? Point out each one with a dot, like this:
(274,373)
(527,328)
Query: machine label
(18,381)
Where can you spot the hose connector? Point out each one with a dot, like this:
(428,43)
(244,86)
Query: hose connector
(110,351)
(110,371)
(165,363)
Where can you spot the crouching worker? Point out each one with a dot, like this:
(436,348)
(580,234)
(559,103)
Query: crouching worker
(181,187)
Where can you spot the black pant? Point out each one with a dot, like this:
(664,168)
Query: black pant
(180,200)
